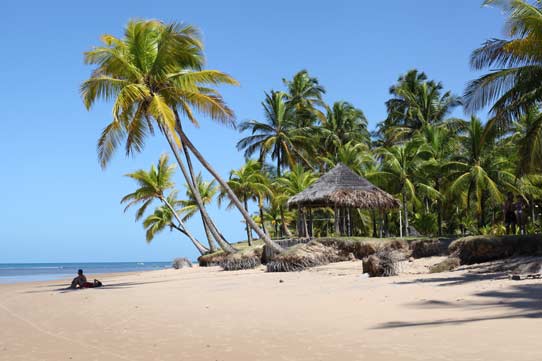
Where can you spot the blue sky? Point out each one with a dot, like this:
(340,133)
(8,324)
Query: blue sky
(58,205)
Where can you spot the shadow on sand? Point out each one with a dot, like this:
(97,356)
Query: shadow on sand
(108,286)
(521,301)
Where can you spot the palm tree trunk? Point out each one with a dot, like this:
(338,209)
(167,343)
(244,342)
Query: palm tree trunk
(337,218)
(439,208)
(405,213)
(260,206)
(207,220)
(201,248)
(224,245)
(284,226)
(249,231)
(305,227)
(272,245)
(208,234)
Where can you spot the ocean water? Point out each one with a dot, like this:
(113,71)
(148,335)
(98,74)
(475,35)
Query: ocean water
(30,272)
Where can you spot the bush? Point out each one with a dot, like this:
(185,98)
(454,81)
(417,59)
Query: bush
(448,264)
(181,262)
(477,249)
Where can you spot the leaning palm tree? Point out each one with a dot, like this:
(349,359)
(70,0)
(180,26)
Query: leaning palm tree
(152,185)
(161,218)
(153,76)
(277,136)
(512,85)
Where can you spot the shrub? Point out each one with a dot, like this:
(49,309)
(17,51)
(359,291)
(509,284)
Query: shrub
(181,262)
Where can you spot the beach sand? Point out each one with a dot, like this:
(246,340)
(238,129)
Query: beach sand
(326,313)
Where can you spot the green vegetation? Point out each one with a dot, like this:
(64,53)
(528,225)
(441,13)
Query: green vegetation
(450,174)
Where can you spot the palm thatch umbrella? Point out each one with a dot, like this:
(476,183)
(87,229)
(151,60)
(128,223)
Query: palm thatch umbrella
(342,189)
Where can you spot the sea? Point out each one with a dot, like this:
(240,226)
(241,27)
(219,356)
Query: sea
(31,272)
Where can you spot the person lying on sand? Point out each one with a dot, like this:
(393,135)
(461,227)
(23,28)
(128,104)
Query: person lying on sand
(81,281)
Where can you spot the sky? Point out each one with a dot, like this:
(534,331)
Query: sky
(58,205)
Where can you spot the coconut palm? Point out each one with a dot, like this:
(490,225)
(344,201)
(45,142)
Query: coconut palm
(249,183)
(415,102)
(400,166)
(304,94)
(277,136)
(153,76)
(344,123)
(527,137)
(480,172)
(207,190)
(161,218)
(512,85)
(291,183)
(152,185)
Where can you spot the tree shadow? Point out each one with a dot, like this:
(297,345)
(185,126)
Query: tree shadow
(521,301)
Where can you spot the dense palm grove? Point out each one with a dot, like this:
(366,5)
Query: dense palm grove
(451,174)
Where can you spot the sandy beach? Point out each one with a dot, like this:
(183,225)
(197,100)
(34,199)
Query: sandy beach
(326,313)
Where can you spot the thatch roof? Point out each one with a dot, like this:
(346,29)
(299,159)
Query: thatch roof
(342,187)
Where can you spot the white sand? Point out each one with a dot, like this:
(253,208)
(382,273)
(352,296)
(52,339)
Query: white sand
(327,313)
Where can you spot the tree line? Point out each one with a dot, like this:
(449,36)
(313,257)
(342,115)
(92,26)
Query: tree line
(451,174)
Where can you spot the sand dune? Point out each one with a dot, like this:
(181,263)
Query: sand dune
(327,313)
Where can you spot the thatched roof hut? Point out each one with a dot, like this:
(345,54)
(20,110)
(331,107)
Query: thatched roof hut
(341,187)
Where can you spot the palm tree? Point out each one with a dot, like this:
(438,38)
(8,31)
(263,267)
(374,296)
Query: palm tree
(514,86)
(207,191)
(161,218)
(480,170)
(527,138)
(400,166)
(344,123)
(153,74)
(415,102)
(291,183)
(249,182)
(277,136)
(304,95)
(152,185)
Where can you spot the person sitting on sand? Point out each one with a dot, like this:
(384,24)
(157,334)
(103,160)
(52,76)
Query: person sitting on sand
(81,281)
(510,219)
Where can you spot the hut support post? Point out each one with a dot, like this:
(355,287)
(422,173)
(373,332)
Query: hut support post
(350,222)
(381,227)
(337,219)
(400,224)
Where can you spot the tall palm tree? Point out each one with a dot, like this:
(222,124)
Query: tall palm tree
(344,123)
(153,75)
(304,94)
(249,183)
(480,172)
(152,185)
(277,136)
(415,102)
(512,85)
(527,138)
(400,166)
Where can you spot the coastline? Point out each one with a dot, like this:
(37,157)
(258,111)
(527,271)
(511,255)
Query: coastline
(325,313)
